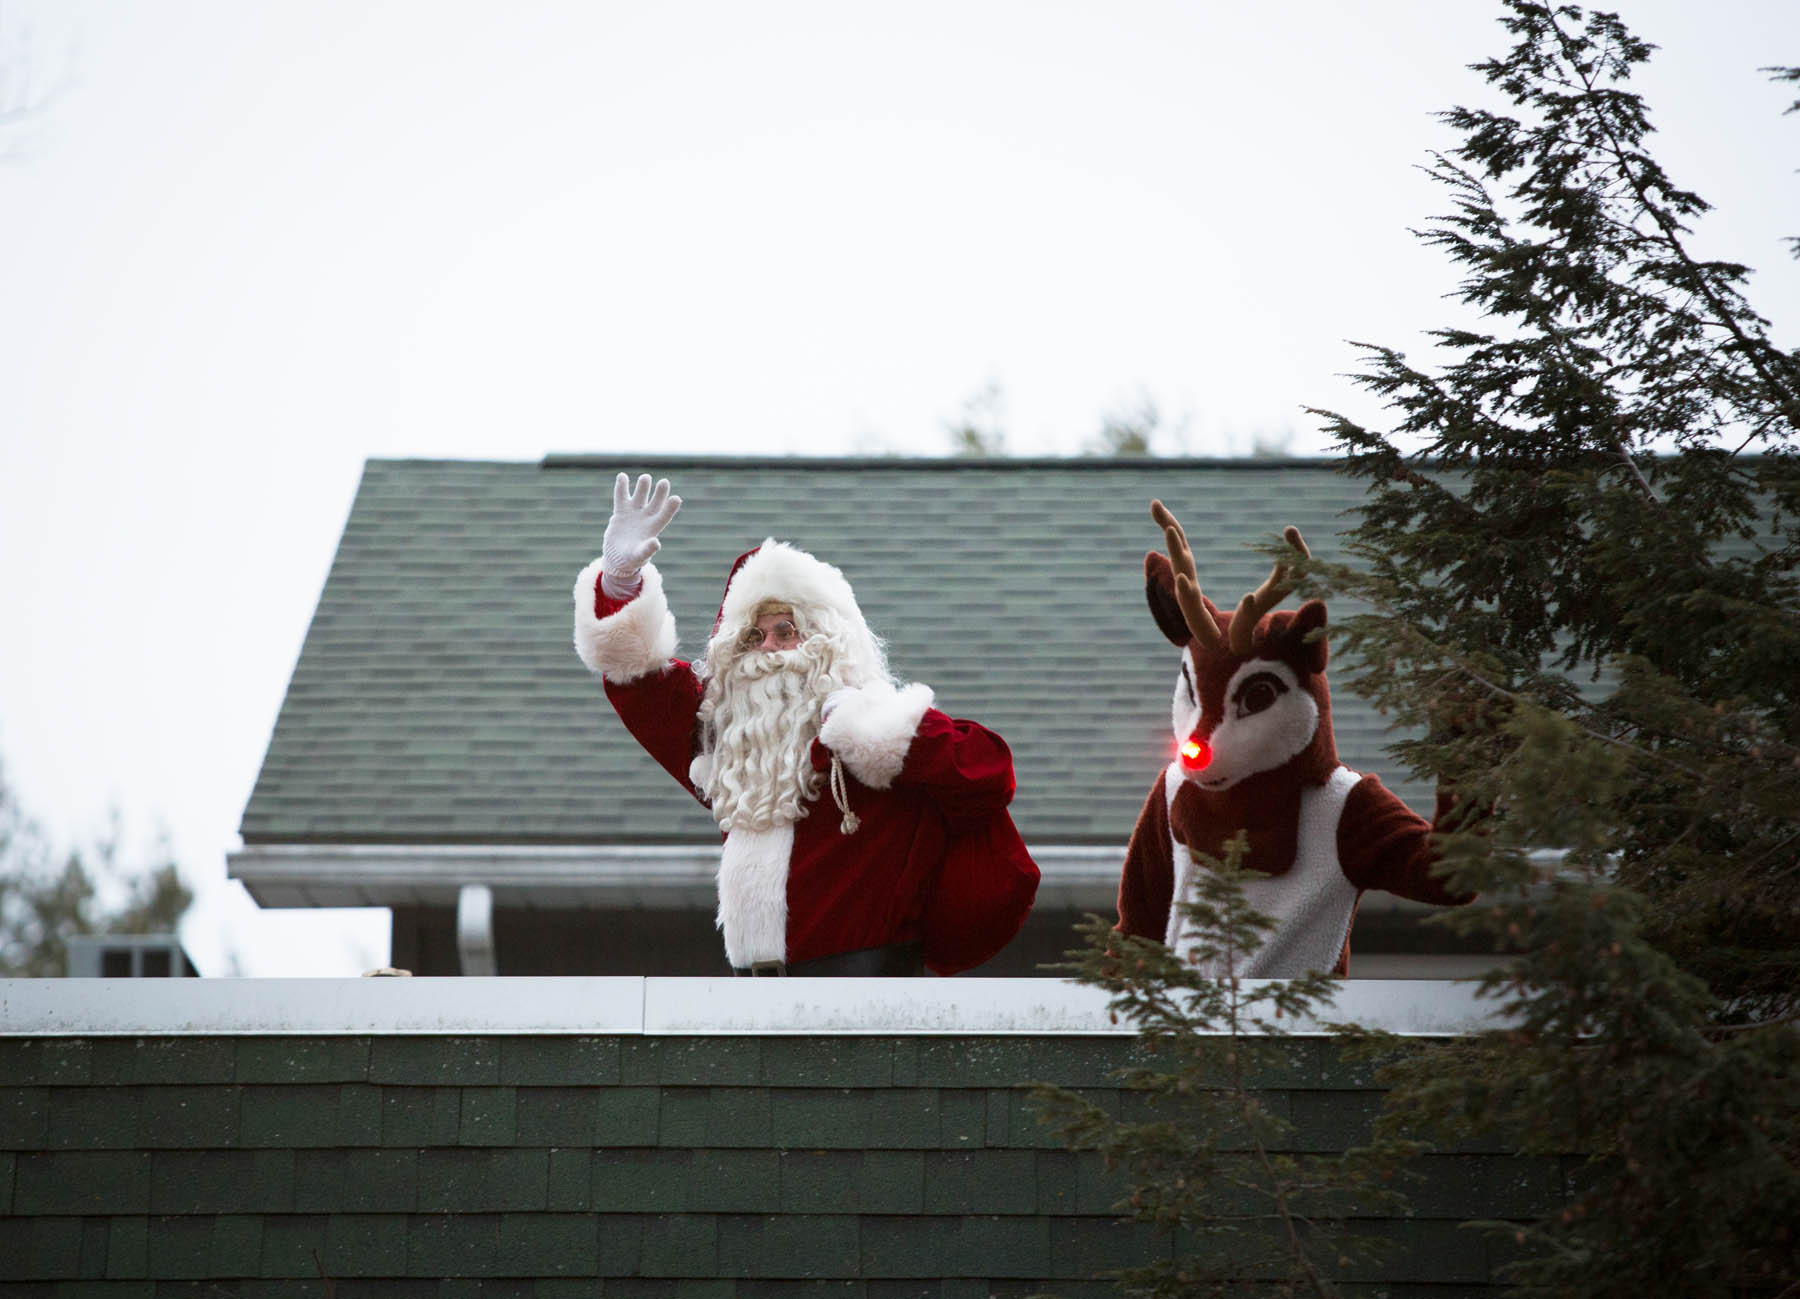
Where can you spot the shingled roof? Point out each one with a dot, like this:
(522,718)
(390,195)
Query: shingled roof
(438,700)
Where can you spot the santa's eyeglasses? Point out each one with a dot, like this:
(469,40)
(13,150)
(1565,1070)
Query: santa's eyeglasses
(786,634)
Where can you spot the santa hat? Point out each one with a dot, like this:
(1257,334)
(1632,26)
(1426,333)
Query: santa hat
(818,593)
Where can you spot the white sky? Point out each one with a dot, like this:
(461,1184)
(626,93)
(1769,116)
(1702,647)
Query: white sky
(254,244)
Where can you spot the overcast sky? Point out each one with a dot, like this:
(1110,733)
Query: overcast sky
(250,245)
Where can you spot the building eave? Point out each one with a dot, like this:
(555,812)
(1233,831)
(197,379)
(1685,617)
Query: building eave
(626,876)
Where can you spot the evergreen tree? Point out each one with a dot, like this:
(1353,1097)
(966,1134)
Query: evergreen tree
(1208,1160)
(1579,548)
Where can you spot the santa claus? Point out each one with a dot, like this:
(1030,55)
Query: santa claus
(865,832)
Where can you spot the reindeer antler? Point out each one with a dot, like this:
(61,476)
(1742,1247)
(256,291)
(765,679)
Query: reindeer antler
(1265,597)
(1187,582)
(1187,587)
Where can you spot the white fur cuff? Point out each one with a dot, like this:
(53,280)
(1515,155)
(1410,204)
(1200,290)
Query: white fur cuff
(634,642)
(872,728)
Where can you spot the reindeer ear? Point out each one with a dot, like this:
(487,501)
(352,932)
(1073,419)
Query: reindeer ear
(1309,654)
(1159,593)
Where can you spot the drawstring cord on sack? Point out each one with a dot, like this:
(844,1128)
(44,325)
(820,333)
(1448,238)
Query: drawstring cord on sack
(841,797)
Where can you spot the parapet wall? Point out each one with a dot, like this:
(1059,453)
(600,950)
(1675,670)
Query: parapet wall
(342,1138)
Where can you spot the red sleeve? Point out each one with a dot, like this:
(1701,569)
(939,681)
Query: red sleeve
(1383,844)
(1147,883)
(658,709)
(659,712)
(604,605)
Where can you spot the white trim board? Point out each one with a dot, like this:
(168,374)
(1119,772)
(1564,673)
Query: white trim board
(640,1005)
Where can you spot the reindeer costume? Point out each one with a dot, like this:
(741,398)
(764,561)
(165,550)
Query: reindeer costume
(885,841)
(1252,719)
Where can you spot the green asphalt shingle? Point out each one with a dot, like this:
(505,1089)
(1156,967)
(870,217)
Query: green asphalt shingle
(438,699)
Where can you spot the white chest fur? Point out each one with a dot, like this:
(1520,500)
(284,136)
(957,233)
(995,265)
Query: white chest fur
(1311,905)
(753,870)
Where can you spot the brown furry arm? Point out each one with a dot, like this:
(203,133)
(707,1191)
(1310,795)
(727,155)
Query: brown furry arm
(1147,882)
(1383,844)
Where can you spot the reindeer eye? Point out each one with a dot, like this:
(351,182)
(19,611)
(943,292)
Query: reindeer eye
(1258,693)
(1187,683)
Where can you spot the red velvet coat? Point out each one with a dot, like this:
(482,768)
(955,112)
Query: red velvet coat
(936,858)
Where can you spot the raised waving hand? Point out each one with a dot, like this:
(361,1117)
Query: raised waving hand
(639,514)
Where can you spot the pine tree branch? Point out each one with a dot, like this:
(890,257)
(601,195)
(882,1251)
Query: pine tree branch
(1720,1030)
(1516,697)
(1277,1185)
(1761,428)
(1760,858)
(1750,349)
(1778,73)
(1637,474)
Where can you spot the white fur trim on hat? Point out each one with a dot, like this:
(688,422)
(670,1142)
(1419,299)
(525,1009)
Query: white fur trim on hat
(816,591)
(778,571)
(631,643)
(872,728)
(753,870)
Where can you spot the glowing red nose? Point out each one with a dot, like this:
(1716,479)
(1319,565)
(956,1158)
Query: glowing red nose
(1195,754)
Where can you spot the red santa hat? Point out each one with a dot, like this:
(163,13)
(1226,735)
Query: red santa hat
(820,597)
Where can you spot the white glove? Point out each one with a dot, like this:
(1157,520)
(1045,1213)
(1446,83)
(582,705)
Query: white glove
(638,516)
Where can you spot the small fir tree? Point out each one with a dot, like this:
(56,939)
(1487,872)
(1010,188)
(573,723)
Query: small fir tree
(1579,548)
(1209,1161)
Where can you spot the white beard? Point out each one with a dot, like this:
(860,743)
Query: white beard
(762,713)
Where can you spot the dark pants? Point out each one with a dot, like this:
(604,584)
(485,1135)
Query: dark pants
(898,960)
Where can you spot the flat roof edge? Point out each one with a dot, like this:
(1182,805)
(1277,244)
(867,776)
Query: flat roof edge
(635,1005)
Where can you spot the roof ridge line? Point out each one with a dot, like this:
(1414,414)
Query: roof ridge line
(612,462)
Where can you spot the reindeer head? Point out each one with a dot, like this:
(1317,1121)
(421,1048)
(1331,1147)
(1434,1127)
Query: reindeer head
(1251,697)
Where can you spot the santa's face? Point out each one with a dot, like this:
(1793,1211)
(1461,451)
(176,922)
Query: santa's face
(772,631)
